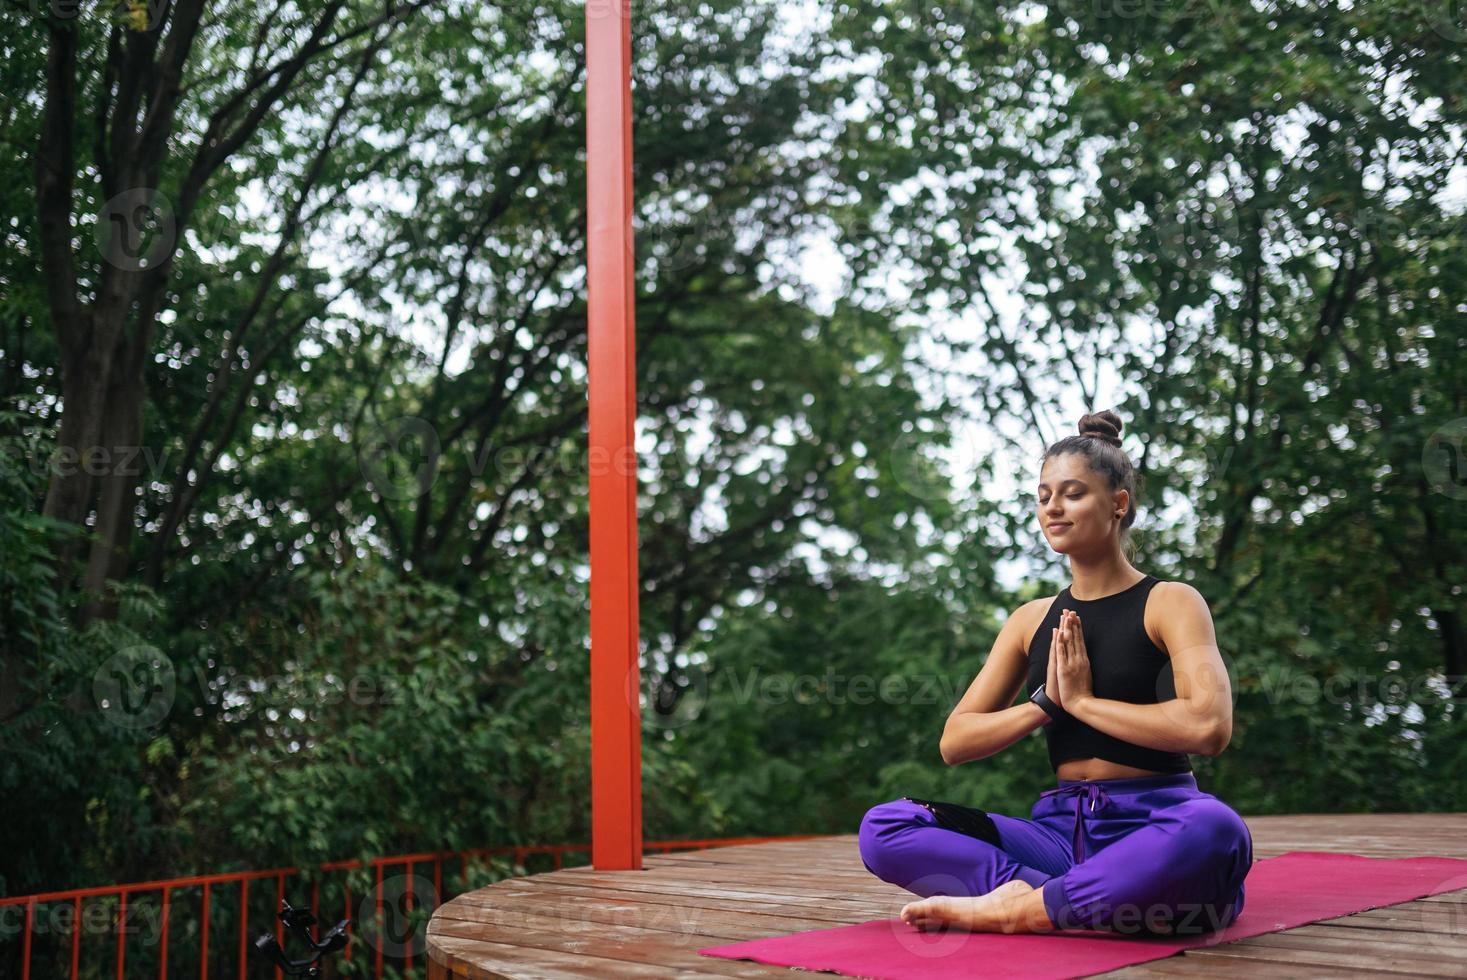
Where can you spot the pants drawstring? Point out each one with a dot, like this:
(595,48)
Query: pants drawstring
(1092,792)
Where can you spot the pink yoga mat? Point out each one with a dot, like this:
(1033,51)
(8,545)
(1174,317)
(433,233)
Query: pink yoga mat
(1282,892)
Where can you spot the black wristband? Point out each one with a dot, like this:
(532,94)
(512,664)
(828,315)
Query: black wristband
(1042,699)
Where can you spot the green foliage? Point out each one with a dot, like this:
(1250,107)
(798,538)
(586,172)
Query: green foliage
(74,782)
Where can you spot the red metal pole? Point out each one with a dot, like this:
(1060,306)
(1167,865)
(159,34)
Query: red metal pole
(25,956)
(616,745)
(121,931)
(346,914)
(279,925)
(377,972)
(244,918)
(75,937)
(163,951)
(204,938)
(409,904)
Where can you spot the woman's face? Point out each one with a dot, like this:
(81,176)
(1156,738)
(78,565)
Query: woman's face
(1076,510)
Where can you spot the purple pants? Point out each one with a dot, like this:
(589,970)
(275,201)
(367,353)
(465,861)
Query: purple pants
(1144,855)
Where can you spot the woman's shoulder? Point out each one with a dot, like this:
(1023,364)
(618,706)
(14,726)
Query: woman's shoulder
(1162,605)
(1168,592)
(1035,608)
(1030,616)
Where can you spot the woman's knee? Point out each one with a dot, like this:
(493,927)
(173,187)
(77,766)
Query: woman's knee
(1215,849)
(878,826)
(1188,875)
(1209,826)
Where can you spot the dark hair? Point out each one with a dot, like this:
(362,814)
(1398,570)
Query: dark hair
(1099,442)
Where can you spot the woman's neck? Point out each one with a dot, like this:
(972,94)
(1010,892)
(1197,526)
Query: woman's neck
(1095,580)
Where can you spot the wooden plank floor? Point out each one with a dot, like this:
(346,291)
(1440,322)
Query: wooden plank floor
(582,923)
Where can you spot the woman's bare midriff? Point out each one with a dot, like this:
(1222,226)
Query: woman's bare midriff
(1100,769)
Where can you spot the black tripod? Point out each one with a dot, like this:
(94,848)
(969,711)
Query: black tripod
(299,921)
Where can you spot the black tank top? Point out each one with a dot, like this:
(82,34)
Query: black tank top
(1124,665)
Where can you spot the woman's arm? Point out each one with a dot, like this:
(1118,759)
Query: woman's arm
(977,735)
(986,720)
(1200,719)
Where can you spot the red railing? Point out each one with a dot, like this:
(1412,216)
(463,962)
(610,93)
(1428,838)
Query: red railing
(210,885)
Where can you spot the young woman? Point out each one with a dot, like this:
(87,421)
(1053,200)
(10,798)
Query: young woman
(1124,675)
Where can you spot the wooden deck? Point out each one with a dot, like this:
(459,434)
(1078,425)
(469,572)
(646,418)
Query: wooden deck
(651,923)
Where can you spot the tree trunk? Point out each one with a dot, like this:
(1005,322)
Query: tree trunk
(121,441)
(85,376)
(1454,651)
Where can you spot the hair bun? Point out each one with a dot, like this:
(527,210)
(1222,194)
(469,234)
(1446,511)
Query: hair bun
(1105,426)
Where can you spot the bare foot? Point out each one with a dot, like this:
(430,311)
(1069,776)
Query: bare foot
(1014,906)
